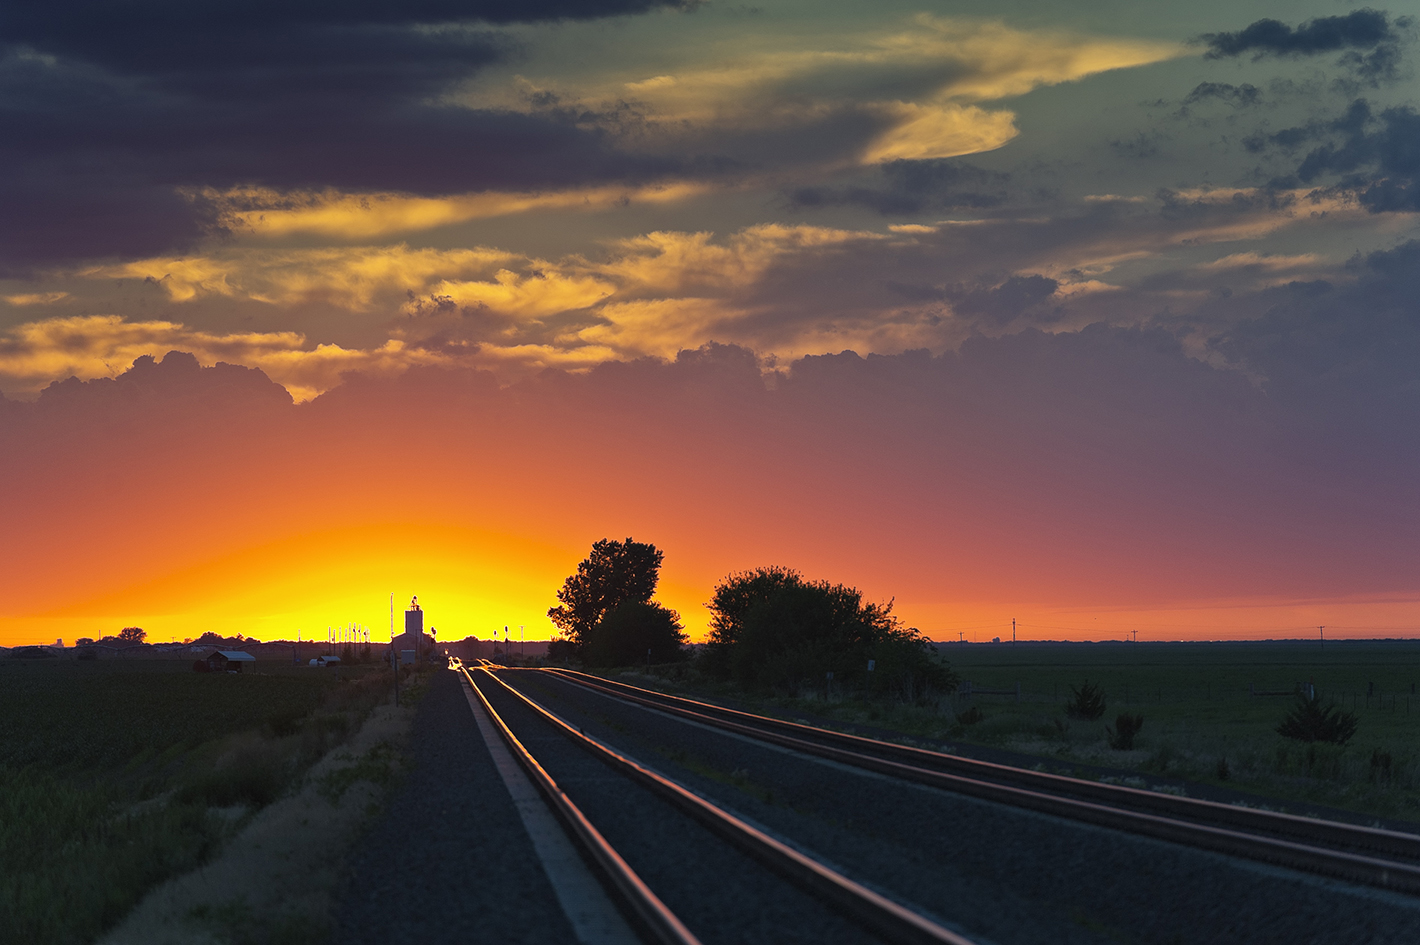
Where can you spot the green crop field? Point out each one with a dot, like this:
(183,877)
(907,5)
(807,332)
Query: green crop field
(1210,713)
(117,774)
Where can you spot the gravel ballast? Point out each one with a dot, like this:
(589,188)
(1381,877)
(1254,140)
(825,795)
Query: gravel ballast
(995,872)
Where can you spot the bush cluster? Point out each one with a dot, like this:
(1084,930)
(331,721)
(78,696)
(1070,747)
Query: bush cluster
(772,629)
(1126,726)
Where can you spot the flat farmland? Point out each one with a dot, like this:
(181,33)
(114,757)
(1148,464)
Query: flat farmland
(1210,716)
(1210,712)
(116,774)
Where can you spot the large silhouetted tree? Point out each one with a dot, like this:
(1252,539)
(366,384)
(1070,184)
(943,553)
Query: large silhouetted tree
(132,634)
(615,573)
(634,633)
(771,628)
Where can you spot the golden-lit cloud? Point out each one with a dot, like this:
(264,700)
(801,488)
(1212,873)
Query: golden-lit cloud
(782,290)
(35,353)
(996,61)
(526,297)
(267,213)
(660,327)
(685,262)
(945,64)
(36,298)
(921,132)
(352,277)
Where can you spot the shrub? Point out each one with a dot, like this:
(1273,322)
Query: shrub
(1221,770)
(1126,726)
(771,628)
(1310,721)
(252,771)
(1381,764)
(1087,702)
(971,716)
(561,650)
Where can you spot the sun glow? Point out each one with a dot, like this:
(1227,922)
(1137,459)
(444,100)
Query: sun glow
(469,581)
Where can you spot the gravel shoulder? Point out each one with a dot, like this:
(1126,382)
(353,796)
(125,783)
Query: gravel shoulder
(448,858)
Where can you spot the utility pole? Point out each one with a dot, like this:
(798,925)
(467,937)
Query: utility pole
(961,636)
(1136,635)
(522,643)
(1013,631)
(1321,632)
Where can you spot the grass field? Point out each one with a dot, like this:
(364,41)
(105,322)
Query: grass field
(115,775)
(1210,713)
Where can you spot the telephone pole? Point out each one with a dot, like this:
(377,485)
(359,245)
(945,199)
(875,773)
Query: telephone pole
(1013,631)
(1321,632)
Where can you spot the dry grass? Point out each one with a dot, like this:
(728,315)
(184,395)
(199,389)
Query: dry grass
(274,882)
(114,776)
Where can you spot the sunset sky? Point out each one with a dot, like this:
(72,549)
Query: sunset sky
(1101,316)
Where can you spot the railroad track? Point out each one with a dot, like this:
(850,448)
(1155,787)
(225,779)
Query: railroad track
(885,918)
(1371,856)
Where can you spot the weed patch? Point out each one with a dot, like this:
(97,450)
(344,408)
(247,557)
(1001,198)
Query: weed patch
(115,776)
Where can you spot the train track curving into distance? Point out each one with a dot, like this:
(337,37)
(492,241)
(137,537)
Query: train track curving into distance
(1370,856)
(885,918)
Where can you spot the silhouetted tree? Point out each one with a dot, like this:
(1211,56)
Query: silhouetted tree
(623,636)
(132,634)
(1087,702)
(770,627)
(1126,726)
(615,573)
(1310,721)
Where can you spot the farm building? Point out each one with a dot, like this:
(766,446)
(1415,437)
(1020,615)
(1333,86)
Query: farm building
(229,661)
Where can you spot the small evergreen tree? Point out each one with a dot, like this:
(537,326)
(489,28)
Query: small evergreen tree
(1087,702)
(1310,721)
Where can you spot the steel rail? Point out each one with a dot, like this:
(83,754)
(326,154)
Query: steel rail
(875,911)
(1111,806)
(1306,829)
(646,907)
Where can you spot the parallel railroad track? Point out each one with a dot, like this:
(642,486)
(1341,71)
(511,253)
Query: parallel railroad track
(1371,856)
(885,918)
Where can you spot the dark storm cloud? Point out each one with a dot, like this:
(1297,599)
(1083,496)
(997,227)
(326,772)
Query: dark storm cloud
(1376,155)
(1343,356)
(109,109)
(1360,29)
(1236,95)
(909,187)
(1002,304)
(1369,40)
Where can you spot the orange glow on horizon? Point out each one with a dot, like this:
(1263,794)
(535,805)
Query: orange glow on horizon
(476,582)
